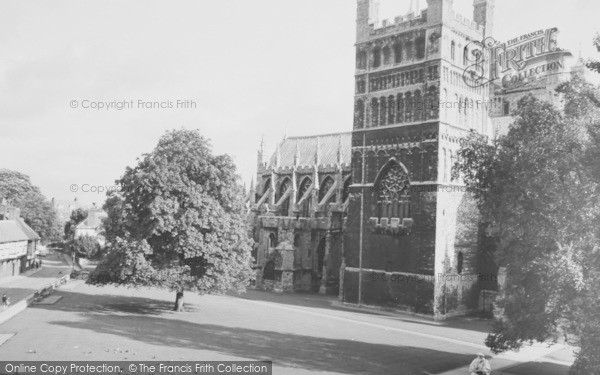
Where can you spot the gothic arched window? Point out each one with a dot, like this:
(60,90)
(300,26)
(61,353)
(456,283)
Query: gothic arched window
(386,55)
(418,106)
(326,185)
(376,57)
(452,50)
(391,110)
(393,200)
(408,108)
(397,53)
(400,108)
(306,205)
(283,188)
(359,114)
(374,112)
(420,45)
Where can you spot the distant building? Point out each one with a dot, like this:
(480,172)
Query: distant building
(64,208)
(91,225)
(18,242)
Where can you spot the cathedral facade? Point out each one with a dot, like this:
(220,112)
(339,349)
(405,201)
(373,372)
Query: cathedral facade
(300,203)
(375,215)
(412,234)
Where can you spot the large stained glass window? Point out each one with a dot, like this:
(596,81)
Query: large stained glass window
(393,200)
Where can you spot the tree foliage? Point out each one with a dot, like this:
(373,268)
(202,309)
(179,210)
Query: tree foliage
(538,188)
(36,210)
(594,64)
(77,216)
(114,225)
(178,221)
(85,246)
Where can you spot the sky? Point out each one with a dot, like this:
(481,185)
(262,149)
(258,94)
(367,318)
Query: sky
(252,68)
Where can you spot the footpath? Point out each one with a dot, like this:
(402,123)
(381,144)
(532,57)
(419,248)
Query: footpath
(21,289)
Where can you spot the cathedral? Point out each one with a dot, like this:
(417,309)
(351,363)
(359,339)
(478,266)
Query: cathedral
(374,215)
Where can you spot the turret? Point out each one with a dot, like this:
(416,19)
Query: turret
(483,14)
(438,10)
(363,21)
(260,157)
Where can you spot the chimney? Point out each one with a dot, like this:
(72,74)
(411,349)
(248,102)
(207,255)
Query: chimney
(14,213)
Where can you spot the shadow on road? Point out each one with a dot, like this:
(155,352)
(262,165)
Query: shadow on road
(138,319)
(331,303)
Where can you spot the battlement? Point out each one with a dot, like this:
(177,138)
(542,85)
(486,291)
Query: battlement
(467,22)
(371,24)
(400,21)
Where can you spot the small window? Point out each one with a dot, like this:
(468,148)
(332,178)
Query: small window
(272,240)
(459,262)
(452,50)
(466,56)
(297,240)
(506,108)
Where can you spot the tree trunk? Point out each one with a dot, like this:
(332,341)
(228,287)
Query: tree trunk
(179,301)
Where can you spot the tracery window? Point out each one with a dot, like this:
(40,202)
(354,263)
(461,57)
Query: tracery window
(393,200)
(285,205)
(306,206)
(325,187)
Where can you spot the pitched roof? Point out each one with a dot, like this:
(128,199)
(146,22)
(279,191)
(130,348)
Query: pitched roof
(10,231)
(305,150)
(93,220)
(30,233)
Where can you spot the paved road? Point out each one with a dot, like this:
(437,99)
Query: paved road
(19,287)
(300,334)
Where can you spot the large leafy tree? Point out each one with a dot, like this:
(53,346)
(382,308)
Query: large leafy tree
(114,225)
(36,210)
(180,211)
(538,187)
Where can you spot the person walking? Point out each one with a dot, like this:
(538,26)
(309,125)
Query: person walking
(480,366)
(5,302)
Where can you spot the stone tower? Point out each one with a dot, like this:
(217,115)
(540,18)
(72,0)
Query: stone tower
(412,231)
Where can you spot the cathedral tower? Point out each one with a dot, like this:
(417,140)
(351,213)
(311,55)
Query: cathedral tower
(411,227)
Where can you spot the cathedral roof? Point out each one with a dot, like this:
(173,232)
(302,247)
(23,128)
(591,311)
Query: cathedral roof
(310,150)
